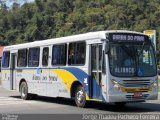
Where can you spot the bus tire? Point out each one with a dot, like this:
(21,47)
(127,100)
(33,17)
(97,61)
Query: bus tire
(24,91)
(80,96)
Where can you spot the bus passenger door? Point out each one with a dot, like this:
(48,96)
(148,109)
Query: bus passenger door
(96,70)
(45,72)
(13,72)
(47,76)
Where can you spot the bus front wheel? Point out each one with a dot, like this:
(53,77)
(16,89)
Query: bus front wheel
(24,91)
(80,97)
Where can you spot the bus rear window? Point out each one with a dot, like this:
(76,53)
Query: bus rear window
(5,59)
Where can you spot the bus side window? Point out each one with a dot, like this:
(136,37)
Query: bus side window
(6,59)
(77,53)
(100,57)
(0,65)
(59,54)
(103,63)
(33,57)
(45,56)
(22,58)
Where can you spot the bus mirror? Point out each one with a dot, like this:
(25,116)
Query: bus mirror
(106,48)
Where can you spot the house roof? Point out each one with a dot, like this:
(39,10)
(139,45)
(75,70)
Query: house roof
(1,50)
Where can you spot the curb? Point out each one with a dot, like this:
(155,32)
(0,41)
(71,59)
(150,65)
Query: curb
(158,95)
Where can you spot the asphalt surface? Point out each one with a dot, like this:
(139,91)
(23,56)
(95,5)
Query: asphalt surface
(11,103)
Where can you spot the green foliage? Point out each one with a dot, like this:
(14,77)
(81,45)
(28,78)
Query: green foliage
(44,19)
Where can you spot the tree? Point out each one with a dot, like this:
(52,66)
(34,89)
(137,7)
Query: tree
(45,19)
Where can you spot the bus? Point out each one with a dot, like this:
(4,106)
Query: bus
(114,66)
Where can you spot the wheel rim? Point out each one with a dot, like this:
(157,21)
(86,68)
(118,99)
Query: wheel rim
(80,96)
(23,91)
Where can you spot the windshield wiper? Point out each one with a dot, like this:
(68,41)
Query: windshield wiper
(140,52)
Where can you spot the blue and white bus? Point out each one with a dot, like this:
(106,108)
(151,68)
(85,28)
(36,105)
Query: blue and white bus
(109,66)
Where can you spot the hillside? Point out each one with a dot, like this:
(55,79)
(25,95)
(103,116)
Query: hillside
(46,19)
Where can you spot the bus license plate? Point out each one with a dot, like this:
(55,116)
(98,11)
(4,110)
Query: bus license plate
(137,95)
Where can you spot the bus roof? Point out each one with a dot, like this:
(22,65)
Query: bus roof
(73,38)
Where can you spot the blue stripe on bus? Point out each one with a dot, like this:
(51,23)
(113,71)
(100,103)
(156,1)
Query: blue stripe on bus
(81,76)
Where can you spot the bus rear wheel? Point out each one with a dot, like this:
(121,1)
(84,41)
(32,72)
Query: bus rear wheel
(24,91)
(80,97)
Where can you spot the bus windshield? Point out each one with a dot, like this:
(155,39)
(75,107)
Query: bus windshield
(134,60)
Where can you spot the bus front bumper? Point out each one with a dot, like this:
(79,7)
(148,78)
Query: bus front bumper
(132,97)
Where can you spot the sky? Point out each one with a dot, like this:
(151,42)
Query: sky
(21,2)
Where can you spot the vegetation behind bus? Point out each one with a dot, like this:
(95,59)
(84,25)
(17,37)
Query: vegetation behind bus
(45,19)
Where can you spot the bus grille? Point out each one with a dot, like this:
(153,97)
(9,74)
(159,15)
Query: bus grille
(136,83)
(131,97)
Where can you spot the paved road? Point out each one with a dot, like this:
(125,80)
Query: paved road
(11,103)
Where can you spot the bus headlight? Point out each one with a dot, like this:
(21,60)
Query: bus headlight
(155,84)
(116,85)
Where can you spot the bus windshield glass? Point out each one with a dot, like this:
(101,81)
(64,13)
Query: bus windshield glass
(136,60)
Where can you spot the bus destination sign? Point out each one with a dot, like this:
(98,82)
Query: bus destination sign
(127,37)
